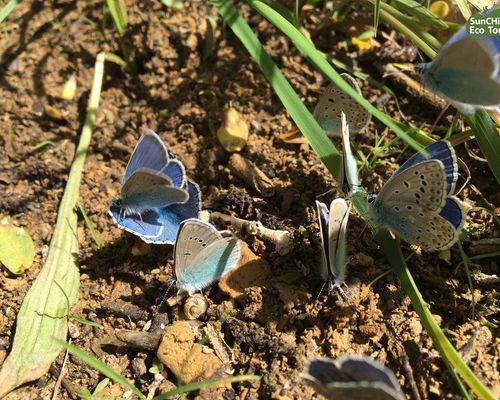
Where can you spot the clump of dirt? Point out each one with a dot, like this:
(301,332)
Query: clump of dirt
(275,324)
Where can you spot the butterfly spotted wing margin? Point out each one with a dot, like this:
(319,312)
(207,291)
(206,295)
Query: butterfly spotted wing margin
(202,255)
(351,377)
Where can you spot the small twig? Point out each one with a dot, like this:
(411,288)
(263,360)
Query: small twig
(281,239)
(139,340)
(61,375)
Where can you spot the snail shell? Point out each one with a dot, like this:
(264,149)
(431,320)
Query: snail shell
(195,306)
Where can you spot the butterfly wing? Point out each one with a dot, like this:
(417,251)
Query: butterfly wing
(467,71)
(453,212)
(161,225)
(442,151)
(337,228)
(171,217)
(193,236)
(323,221)
(411,203)
(332,102)
(145,225)
(146,189)
(203,255)
(349,177)
(175,171)
(150,152)
(422,184)
(352,377)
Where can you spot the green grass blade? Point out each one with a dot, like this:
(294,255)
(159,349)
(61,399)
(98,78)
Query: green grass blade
(7,9)
(118,10)
(309,51)
(420,12)
(191,387)
(376,14)
(102,368)
(488,138)
(463,6)
(320,143)
(89,224)
(42,320)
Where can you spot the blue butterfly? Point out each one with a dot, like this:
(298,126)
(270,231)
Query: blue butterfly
(156,196)
(203,255)
(466,71)
(417,203)
(352,377)
(333,227)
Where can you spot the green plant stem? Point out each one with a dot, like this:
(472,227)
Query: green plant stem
(7,9)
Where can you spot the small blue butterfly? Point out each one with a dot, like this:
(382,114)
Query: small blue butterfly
(202,255)
(332,102)
(156,196)
(466,71)
(352,377)
(333,226)
(417,203)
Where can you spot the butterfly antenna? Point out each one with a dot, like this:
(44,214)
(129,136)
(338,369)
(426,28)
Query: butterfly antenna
(171,283)
(324,194)
(320,290)
(439,117)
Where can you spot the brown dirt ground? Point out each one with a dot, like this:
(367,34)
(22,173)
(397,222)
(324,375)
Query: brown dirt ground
(273,328)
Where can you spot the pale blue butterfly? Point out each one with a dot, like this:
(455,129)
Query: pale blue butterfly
(466,71)
(333,230)
(202,255)
(332,102)
(155,196)
(352,377)
(417,203)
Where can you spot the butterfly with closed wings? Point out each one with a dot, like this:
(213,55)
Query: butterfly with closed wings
(417,202)
(333,230)
(352,377)
(203,255)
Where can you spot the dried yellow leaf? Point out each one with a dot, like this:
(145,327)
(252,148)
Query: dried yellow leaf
(233,133)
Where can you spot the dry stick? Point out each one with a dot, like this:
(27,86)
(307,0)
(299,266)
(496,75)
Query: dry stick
(281,239)
(412,84)
(61,374)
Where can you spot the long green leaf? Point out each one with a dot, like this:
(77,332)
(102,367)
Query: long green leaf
(308,50)
(320,143)
(118,10)
(488,138)
(191,387)
(42,320)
